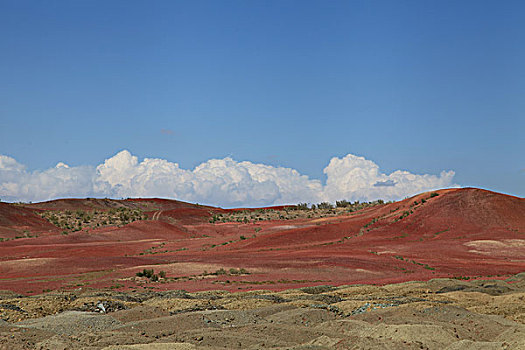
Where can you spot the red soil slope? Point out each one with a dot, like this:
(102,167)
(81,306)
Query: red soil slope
(17,221)
(146,204)
(462,233)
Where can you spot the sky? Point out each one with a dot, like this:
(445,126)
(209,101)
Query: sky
(236,103)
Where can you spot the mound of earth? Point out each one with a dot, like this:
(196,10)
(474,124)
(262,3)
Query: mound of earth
(145,204)
(454,233)
(20,222)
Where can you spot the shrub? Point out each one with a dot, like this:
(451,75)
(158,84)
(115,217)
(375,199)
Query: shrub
(325,205)
(434,194)
(342,203)
(145,273)
(302,206)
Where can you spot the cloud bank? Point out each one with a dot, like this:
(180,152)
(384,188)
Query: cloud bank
(222,182)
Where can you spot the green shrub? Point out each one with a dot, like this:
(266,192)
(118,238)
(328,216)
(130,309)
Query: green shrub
(342,203)
(146,273)
(325,205)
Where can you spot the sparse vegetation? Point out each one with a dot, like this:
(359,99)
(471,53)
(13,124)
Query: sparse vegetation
(374,220)
(231,272)
(299,211)
(342,203)
(157,250)
(145,273)
(26,234)
(325,205)
(425,266)
(302,206)
(437,233)
(80,219)
(461,277)
(405,214)
(151,275)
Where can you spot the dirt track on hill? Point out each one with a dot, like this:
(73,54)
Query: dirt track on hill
(438,314)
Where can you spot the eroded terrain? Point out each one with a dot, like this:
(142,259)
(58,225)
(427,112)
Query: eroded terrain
(437,314)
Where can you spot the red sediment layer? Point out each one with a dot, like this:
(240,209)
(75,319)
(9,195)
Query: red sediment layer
(460,232)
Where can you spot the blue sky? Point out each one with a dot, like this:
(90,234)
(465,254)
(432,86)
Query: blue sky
(422,86)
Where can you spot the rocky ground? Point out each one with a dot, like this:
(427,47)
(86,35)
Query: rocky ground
(437,314)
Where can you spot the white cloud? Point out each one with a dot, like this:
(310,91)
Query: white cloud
(17,184)
(224,182)
(355,177)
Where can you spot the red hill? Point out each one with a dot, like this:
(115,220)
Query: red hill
(17,221)
(106,204)
(462,233)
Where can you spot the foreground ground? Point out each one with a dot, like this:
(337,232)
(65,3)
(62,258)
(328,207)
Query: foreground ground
(437,314)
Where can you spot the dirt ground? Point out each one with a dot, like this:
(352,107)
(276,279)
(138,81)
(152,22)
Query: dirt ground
(440,270)
(456,233)
(437,314)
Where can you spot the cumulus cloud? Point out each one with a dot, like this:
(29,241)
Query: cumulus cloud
(18,184)
(357,178)
(223,182)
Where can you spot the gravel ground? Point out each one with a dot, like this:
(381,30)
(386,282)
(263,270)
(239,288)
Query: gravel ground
(438,314)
